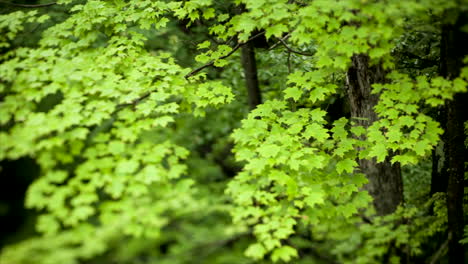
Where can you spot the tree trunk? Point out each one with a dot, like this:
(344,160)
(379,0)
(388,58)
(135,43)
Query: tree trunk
(453,50)
(439,165)
(385,182)
(250,74)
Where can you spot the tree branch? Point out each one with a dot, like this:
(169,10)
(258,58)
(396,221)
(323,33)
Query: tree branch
(107,124)
(283,42)
(134,102)
(211,63)
(279,42)
(440,251)
(28,6)
(294,51)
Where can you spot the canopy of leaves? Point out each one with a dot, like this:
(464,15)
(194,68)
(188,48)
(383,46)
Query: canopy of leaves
(131,109)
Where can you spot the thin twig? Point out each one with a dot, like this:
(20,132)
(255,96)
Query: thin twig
(107,124)
(28,6)
(283,42)
(279,42)
(294,51)
(211,63)
(439,252)
(134,102)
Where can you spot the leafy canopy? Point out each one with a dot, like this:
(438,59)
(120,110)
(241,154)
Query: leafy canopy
(107,119)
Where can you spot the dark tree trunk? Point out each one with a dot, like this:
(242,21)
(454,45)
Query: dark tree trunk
(439,165)
(385,182)
(250,74)
(455,173)
(439,179)
(453,49)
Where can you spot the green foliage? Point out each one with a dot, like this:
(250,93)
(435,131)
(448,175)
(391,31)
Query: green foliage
(133,153)
(465,238)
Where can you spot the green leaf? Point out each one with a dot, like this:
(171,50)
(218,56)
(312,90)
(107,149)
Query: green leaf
(394,134)
(223,17)
(284,253)
(314,195)
(406,121)
(127,166)
(316,162)
(205,44)
(256,165)
(346,165)
(57,176)
(316,131)
(209,13)
(378,150)
(116,147)
(293,92)
(255,251)
(324,61)
(405,159)
(276,30)
(421,147)
(48,224)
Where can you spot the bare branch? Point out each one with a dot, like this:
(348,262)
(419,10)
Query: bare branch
(440,252)
(294,51)
(28,6)
(279,42)
(211,63)
(134,102)
(283,42)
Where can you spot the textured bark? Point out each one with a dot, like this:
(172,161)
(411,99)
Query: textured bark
(250,74)
(385,182)
(455,173)
(439,163)
(453,50)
